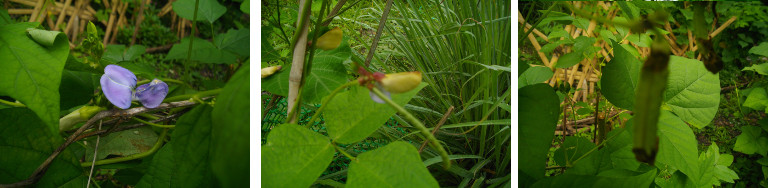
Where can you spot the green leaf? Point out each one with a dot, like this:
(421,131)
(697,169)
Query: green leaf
(160,169)
(572,149)
(538,111)
(122,143)
(751,141)
(245,6)
(725,174)
(761,49)
(207,10)
(43,37)
(395,165)
(327,74)
(583,44)
(230,135)
(183,162)
(352,115)
(569,60)
(609,178)
(4,17)
(693,93)
(235,41)
(759,68)
(620,77)
(202,51)
(295,156)
(534,75)
(76,89)
(268,52)
(30,72)
(118,53)
(677,145)
(756,99)
(26,143)
(192,137)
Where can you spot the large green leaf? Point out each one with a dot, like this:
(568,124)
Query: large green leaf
(538,111)
(160,169)
(761,49)
(230,145)
(31,72)
(693,93)
(609,178)
(268,52)
(722,161)
(202,51)
(396,165)
(327,74)
(620,77)
(572,149)
(756,99)
(207,10)
(122,143)
(235,41)
(677,145)
(76,89)
(759,68)
(25,143)
(569,59)
(352,115)
(4,17)
(295,156)
(534,75)
(751,141)
(183,162)
(192,137)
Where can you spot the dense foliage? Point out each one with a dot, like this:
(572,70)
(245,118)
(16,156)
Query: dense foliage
(187,126)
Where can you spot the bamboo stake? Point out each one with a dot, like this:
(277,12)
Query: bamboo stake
(58,8)
(111,21)
(139,19)
(36,11)
(120,22)
(538,50)
(521,20)
(722,27)
(47,18)
(79,5)
(62,15)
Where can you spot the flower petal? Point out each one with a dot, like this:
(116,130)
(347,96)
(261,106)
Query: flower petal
(401,82)
(117,94)
(120,75)
(152,94)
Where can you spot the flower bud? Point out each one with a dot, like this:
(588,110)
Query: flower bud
(400,82)
(330,40)
(266,72)
(80,115)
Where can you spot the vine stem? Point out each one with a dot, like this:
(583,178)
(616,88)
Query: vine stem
(153,124)
(152,150)
(297,63)
(343,152)
(14,104)
(198,95)
(327,100)
(424,131)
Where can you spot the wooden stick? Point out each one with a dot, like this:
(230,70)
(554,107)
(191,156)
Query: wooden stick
(79,5)
(139,19)
(62,15)
(521,20)
(120,21)
(538,50)
(722,27)
(57,9)
(111,21)
(36,11)
(437,127)
(48,19)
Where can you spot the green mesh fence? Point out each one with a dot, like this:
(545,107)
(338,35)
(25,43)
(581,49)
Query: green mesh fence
(277,115)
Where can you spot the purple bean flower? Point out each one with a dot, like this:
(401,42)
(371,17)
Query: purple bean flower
(118,85)
(152,94)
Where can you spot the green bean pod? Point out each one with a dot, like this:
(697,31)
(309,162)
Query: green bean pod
(648,98)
